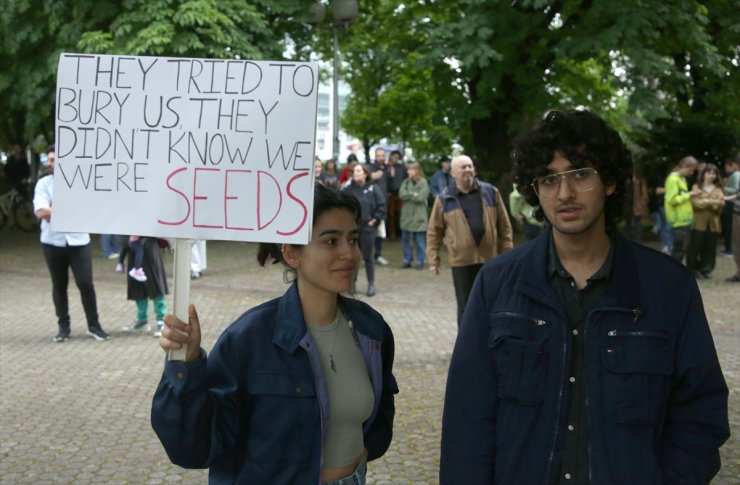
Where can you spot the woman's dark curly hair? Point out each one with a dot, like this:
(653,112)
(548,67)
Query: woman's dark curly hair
(324,199)
(584,139)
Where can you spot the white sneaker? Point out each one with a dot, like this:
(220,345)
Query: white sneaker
(137,274)
(119,268)
(381,261)
(158,332)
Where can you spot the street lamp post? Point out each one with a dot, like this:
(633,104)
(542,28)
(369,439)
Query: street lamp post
(335,102)
(344,13)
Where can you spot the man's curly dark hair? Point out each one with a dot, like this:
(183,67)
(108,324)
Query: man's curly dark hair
(585,140)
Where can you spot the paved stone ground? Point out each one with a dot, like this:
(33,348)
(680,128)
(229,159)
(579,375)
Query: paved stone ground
(78,412)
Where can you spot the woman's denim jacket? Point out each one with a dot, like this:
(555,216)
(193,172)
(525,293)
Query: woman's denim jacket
(256,409)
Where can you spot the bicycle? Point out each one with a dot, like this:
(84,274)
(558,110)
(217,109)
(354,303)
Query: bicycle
(13,203)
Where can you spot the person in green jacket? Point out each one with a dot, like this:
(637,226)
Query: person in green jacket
(523,213)
(678,210)
(414,193)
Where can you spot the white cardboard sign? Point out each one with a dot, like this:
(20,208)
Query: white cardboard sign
(185,148)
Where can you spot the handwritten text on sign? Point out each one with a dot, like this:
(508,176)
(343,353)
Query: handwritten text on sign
(173,147)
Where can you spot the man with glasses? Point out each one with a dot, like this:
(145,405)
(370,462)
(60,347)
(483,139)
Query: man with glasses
(582,357)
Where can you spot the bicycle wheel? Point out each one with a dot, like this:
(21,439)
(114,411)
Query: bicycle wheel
(24,217)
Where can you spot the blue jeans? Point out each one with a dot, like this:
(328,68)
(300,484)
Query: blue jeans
(108,244)
(666,233)
(420,239)
(357,477)
(378,247)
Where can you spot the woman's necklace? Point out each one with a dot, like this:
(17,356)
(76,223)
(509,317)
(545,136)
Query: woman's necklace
(340,316)
(331,353)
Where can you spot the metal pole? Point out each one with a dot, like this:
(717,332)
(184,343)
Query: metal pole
(335,120)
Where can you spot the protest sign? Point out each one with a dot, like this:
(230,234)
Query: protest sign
(185,148)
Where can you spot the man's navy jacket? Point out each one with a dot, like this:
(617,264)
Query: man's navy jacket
(656,400)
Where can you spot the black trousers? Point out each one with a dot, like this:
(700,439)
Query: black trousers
(702,254)
(462,279)
(367,242)
(726,219)
(680,242)
(60,260)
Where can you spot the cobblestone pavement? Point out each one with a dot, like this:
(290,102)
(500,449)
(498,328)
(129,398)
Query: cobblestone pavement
(78,412)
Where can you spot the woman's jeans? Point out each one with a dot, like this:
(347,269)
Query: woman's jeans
(357,477)
(366,241)
(420,239)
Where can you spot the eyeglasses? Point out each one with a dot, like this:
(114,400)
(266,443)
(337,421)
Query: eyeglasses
(580,180)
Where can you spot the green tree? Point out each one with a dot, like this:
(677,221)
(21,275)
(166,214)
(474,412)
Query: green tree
(394,86)
(521,58)
(35,33)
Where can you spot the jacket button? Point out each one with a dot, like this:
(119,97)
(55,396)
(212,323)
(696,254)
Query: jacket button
(179,376)
(299,390)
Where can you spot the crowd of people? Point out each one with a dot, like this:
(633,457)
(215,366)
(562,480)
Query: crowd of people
(691,211)
(301,388)
(688,223)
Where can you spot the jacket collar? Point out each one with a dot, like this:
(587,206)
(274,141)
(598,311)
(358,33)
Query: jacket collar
(290,327)
(623,289)
(452,189)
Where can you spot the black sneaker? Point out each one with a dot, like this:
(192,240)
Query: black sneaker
(97,333)
(62,335)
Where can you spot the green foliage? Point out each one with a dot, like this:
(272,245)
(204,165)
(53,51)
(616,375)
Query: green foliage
(35,33)
(625,60)
(428,73)
(395,90)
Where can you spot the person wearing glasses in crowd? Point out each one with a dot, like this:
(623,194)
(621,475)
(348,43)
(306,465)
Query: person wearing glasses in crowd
(582,357)
(299,389)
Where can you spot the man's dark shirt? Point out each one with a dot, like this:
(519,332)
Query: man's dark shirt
(382,182)
(577,304)
(400,172)
(472,206)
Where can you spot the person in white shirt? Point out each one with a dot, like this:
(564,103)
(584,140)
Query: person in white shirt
(65,250)
(198,260)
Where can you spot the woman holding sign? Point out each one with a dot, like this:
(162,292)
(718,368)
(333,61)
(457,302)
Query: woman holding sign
(298,389)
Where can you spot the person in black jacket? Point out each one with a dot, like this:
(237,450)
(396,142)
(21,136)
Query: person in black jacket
(582,357)
(372,202)
(17,171)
